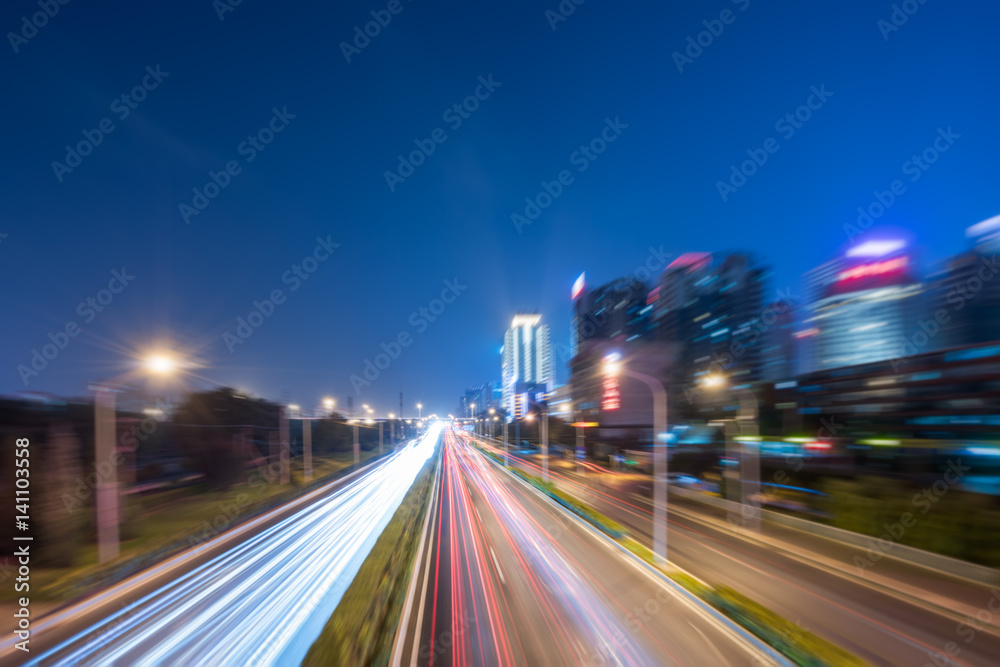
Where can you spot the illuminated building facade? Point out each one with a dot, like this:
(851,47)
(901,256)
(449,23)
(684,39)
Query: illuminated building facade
(965,292)
(617,311)
(861,306)
(527,364)
(710,308)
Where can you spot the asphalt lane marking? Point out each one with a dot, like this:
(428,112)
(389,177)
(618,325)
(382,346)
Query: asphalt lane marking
(497,563)
(722,659)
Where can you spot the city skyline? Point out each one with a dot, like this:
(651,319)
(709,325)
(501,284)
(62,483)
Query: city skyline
(655,185)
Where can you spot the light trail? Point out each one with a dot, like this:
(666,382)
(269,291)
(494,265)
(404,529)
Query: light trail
(777,575)
(266,600)
(578,622)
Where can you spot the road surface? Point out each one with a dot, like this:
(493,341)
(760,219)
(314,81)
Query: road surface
(262,601)
(507,577)
(874,624)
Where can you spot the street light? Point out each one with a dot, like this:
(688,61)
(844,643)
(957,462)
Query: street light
(105,433)
(160,364)
(613,366)
(749,413)
(420,407)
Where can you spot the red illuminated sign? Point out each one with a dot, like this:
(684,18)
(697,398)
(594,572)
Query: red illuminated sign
(611,399)
(874,269)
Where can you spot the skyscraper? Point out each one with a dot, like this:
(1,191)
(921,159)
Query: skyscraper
(862,305)
(528,368)
(965,292)
(616,311)
(711,310)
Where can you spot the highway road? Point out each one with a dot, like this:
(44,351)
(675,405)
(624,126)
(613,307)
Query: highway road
(261,599)
(505,577)
(875,624)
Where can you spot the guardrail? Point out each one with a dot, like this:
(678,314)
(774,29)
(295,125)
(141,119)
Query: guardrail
(953,566)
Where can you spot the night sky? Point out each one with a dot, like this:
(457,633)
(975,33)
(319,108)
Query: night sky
(323,175)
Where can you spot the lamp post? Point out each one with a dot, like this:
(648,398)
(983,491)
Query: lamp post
(749,453)
(392,429)
(420,409)
(612,366)
(105,434)
(107,485)
(357,445)
(506,454)
(543,433)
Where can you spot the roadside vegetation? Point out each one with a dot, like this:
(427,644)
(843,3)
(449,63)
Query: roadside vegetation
(363,627)
(165,523)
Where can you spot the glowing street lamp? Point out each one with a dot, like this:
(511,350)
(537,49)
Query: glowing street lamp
(613,366)
(105,432)
(161,365)
(420,407)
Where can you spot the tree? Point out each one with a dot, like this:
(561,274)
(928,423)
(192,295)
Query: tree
(207,422)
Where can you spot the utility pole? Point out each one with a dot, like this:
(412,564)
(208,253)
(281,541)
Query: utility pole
(307,450)
(357,445)
(283,446)
(506,461)
(108,511)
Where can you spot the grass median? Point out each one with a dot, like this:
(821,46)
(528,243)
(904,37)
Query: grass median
(363,626)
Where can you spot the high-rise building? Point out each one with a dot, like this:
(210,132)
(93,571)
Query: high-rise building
(710,309)
(861,305)
(527,366)
(965,293)
(479,399)
(617,311)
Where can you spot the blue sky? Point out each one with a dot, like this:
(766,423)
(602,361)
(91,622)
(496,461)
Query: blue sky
(324,174)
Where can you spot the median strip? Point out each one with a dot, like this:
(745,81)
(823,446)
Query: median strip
(363,626)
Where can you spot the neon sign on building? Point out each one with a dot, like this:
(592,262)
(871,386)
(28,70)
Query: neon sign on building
(611,398)
(874,269)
